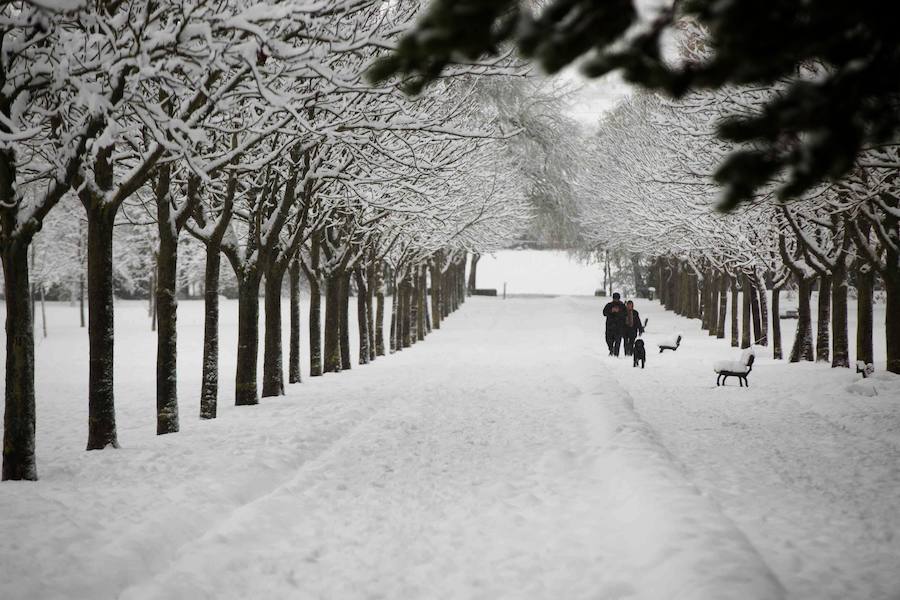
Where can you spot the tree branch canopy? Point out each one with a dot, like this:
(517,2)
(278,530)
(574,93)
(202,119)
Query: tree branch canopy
(834,65)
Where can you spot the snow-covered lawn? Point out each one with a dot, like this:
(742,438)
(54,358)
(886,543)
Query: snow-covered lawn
(505,457)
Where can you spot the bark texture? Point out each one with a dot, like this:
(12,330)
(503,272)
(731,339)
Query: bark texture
(746,293)
(332,357)
(362,316)
(209,387)
(823,321)
(245,390)
(294,352)
(803,346)
(345,319)
(101,400)
(723,306)
(776,324)
(273,369)
(19,414)
(734,313)
(865,320)
(840,344)
(166,335)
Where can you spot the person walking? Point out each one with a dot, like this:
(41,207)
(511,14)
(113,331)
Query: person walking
(615,324)
(633,327)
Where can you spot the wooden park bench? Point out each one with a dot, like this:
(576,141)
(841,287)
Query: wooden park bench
(864,369)
(735,368)
(670,345)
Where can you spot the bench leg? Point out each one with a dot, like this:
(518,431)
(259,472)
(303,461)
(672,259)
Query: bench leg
(718,380)
(746,383)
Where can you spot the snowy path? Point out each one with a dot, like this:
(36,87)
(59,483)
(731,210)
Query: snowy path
(480,479)
(499,459)
(810,473)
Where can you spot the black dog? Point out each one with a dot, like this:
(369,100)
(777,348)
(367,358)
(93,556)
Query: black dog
(639,353)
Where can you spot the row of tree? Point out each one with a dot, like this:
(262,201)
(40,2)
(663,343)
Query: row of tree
(654,161)
(249,129)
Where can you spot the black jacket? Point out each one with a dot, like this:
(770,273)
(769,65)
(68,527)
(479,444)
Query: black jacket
(637,324)
(615,315)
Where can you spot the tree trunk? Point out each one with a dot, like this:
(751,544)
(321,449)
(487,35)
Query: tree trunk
(379,312)
(892,320)
(245,393)
(473,272)
(406,315)
(606,273)
(705,292)
(723,306)
(776,324)
(81,296)
(395,310)
(840,342)
(315,326)
(713,305)
(370,307)
(758,335)
(446,286)
(421,302)
(166,335)
(425,302)
(865,285)
(660,286)
(803,348)
(823,341)
(436,311)
(345,320)
(734,313)
(273,355)
(760,284)
(362,318)
(677,289)
(673,285)
(101,399)
(461,285)
(695,296)
(294,352)
(746,292)
(209,389)
(19,417)
(151,307)
(413,306)
(333,323)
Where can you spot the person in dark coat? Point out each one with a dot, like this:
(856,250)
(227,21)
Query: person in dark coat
(615,324)
(633,327)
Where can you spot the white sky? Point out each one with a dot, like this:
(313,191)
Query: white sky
(596,96)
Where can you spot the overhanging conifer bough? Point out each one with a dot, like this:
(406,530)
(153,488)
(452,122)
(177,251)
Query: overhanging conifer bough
(811,131)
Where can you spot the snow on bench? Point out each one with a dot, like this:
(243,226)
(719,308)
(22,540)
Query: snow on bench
(670,344)
(735,368)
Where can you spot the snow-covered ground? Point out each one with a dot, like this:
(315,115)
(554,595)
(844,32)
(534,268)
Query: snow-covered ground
(506,457)
(498,459)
